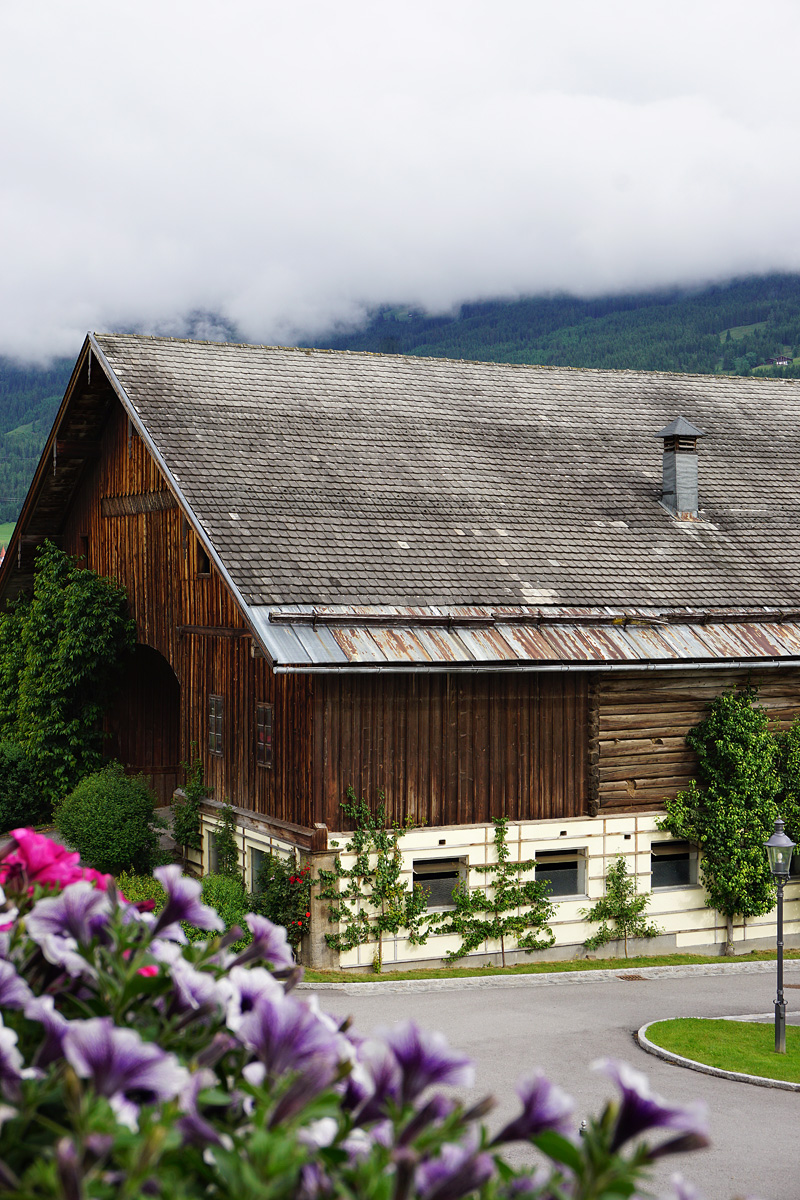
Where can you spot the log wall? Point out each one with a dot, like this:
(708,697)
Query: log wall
(643,718)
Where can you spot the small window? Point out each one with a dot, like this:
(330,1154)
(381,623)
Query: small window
(672,864)
(439,876)
(202,561)
(213,857)
(256,859)
(564,870)
(264,735)
(215,715)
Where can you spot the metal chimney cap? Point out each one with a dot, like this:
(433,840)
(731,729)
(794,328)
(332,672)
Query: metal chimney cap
(680,427)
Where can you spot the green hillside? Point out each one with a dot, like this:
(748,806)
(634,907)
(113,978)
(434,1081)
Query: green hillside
(29,398)
(730,328)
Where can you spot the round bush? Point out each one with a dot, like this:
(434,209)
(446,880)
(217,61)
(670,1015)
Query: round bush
(109,819)
(21,801)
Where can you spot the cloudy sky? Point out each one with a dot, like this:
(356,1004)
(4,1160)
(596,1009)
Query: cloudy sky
(290,163)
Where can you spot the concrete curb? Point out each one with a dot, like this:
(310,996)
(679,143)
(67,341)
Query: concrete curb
(546,978)
(679,1061)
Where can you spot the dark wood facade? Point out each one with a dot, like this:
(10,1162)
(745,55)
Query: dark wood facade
(445,749)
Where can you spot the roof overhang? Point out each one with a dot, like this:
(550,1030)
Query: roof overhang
(314,639)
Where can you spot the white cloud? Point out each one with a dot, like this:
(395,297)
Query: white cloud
(289,165)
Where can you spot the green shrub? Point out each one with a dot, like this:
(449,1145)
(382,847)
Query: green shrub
(141,887)
(109,819)
(226,895)
(21,801)
(186,810)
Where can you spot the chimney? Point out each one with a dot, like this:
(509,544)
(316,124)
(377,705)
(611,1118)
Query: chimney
(679,493)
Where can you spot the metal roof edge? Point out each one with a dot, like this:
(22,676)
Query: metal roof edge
(529,665)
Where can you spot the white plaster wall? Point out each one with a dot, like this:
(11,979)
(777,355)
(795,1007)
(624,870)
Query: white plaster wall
(680,912)
(247,840)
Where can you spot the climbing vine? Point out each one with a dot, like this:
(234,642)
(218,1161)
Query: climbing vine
(730,810)
(369,899)
(495,912)
(61,653)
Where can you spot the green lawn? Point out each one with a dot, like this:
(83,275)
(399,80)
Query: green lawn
(6,530)
(538,968)
(744,1046)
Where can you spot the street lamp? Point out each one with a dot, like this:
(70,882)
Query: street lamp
(779,852)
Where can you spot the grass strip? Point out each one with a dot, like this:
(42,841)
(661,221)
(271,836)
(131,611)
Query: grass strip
(745,1046)
(540,967)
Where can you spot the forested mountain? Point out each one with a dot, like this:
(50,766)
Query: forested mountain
(29,397)
(730,328)
(736,327)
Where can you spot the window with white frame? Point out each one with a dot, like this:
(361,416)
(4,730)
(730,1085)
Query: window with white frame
(672,864)
(256,859)
(564,870)
(439,876)
(213,857)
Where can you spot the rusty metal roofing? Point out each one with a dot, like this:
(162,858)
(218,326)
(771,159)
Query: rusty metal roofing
(363,638)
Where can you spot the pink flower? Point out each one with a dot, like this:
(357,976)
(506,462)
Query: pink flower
(148,971)
(38,859)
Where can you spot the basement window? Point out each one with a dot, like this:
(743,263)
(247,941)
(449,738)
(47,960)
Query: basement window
(439,876)
(264,714)
(672,864)
(564,870)
(256,859)
(215,720)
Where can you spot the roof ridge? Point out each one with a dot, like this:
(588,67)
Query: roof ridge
(429,358)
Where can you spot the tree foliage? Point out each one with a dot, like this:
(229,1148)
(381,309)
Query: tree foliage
(61,652)
(509,906)
(730,810)
(621,905)
(369,899)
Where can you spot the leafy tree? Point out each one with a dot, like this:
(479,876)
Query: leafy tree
(495,912)
(622,905)
(730,812)
(61,653)
(373,900)
(789,772)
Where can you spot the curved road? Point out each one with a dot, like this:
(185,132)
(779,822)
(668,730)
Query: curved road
(562,1029)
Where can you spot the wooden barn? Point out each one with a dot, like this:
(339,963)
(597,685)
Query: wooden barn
(481,589)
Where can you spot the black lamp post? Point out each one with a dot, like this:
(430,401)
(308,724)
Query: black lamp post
(779,852)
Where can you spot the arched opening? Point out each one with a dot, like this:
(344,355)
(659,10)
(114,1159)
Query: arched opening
(144,722)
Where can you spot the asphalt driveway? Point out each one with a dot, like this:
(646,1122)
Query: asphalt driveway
(562,1029)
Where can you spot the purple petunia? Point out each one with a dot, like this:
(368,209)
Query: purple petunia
(14,991)
(545,1106)
(457,1171)
(246,987)
(641,1109)
(374,1081)
(81,912)
(269,944)
(284,1034)
(43,1009)
(183,903)
(425,1058)
(120,1066)
(194,1127)
(10,1063)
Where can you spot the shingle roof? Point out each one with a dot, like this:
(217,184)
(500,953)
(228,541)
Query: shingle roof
(326,477)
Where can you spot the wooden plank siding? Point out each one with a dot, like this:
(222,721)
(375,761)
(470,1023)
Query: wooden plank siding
(643,718)
(453,749)
(190,619)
